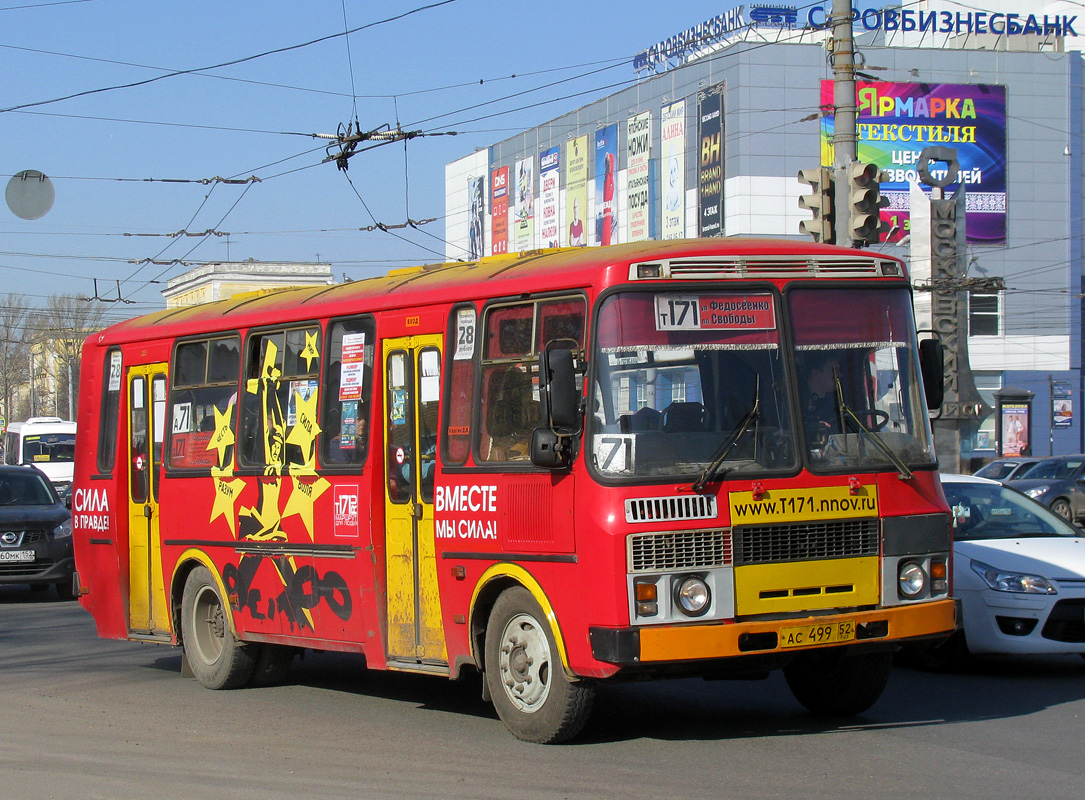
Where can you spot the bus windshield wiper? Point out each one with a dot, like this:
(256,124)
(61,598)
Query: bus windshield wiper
(731,442)
(863,430)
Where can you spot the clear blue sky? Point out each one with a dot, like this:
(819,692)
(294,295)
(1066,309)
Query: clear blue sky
(445,67)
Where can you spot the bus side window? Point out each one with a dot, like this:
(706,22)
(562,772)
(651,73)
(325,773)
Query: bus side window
(515,334)
(281,391)
(108,422)
(347,389)
(203,402)
(460,387)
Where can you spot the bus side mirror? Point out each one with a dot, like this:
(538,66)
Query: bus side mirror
(559,407)
(558,397)
(549,450)
(932,365)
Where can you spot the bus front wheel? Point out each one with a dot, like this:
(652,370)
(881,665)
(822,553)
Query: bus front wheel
(524,674)
(833,683)
(217,659)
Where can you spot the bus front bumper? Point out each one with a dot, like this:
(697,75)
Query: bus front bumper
(675,643)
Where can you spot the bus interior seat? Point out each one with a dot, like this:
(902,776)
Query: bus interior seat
(643,419)
(685,418)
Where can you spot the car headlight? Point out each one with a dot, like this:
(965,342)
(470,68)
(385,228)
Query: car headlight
(1036,491)
(63,529)
(1020,582)
(912,579)
(692,595)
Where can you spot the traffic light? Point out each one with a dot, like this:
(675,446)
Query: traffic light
(865,203)
(821,202)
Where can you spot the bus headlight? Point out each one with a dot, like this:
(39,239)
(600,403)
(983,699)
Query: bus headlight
(911,579)
(692,596)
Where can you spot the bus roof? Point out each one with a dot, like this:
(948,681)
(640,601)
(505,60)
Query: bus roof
(493,276)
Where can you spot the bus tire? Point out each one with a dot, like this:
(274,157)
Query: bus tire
(217,659)
(833,683)
(525,676)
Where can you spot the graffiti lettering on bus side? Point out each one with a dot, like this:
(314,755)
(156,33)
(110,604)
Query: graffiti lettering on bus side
(303,588)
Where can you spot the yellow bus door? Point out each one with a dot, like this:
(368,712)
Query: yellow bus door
(147,611)
(412,393)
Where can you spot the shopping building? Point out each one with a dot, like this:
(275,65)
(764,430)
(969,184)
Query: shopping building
(710,138)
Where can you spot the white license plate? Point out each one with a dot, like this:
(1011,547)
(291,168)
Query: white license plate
(18,556)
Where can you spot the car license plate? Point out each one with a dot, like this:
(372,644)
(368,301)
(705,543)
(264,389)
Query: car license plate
(806,635)
(18,556)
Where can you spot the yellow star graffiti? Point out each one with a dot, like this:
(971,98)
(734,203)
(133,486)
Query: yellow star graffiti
(311,351)
(223,436)
(267,514)
(305,428)
(303,498)
(227,493)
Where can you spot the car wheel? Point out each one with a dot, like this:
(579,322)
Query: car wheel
(1062,508)
(525,677)
(65,590)
(272,664)
(830,683)
(217,659)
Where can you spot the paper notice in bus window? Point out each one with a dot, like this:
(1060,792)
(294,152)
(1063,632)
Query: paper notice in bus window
(728,312)
(465,334)
(351,369)
(115,371)
(182,417)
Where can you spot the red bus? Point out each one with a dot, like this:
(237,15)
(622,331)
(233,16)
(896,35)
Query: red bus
(703,457)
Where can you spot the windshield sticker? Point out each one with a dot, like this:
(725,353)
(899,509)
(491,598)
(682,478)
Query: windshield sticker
(614,454)
(730,312)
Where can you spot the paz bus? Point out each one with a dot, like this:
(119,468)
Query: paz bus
(46,442)
(553,468)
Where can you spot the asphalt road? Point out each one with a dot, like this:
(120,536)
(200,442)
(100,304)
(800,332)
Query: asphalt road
(86,718)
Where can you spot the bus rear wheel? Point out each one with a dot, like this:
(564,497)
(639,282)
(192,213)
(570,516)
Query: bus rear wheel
(833,683)
(525,677)
(217,659)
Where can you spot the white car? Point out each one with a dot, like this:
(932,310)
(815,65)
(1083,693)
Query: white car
(1019,570)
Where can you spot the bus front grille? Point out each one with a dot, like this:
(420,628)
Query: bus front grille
(670,509)
(805,541)
(666,552)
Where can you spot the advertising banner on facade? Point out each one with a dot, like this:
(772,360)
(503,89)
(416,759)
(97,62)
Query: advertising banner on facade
(638,149)
(499,211)
(896,121)
(673,166)
(549,166)
(525,204)
(710,169)
(475,209)
(576,191)
(606,171)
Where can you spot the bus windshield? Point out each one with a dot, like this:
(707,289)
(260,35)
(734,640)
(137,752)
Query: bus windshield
(862,403)
(49,448)
(683,380)
(697,385)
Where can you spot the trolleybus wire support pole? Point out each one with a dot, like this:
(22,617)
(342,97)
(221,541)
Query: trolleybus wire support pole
(845,134)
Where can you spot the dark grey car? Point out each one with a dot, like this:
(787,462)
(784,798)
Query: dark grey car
(1058,483)
(35,532)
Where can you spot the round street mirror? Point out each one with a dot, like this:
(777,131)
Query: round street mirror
(30,194)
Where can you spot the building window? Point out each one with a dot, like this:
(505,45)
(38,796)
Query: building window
(984,314)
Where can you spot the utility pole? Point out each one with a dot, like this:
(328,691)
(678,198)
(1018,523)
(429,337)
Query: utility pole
(845,133)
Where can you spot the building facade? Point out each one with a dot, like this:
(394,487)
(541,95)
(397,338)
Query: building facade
(710,138)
